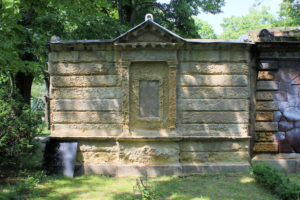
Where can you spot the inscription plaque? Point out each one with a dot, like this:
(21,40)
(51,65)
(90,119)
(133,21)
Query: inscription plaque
(149,98)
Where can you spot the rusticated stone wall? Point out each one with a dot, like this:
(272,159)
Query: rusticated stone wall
(85,92)
(213,91)
(199,118)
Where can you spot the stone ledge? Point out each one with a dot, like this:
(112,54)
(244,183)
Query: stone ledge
(151,171)
(151,138)
(288,163)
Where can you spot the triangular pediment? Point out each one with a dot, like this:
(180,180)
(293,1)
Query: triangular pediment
(149,31)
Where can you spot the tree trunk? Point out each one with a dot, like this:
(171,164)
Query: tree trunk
(23,84)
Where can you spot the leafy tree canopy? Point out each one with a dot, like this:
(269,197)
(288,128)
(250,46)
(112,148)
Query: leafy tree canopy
(234,27)
(289,13)
(205,30)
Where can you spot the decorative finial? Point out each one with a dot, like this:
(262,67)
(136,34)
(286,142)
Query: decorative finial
(55,38)
(149,17)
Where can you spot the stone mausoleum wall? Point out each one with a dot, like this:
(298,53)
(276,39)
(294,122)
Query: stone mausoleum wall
(151,102)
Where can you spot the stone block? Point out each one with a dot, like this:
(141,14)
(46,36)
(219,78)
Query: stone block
(265,96)
(214,146)
(149,55)
(214,68)
(283,165)
(86,93)
(266,106)
(264,116)
(213,80)
(207,55)
(266,147)
(267,85)
(264,136)
(91,56)
(82,68)
(85,130)
(85,105)
(213,129)
(97,157)
(213,92)
(214,157)
(266,126)
(85,81)
(83,56)
(268,65)
(214,105)
(212,167)
(214,117)
(145,153)
(265,75)
(98,146)
(87,117)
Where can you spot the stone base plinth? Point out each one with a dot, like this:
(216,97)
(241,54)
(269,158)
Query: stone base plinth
(152,171)
(285,162)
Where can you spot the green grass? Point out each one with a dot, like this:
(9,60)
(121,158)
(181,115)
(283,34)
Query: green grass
(226,186)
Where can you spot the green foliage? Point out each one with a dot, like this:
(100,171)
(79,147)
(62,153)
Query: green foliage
(234,27)
(289,13)
(275,181)
(146,188)
(205,30)
(18,126)
(177,16)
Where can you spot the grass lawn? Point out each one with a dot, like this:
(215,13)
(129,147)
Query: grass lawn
(198,187)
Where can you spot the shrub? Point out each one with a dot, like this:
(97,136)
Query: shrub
(18,127)
(278,183)
(146,188)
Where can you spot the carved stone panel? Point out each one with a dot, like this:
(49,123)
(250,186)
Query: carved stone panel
(149,97)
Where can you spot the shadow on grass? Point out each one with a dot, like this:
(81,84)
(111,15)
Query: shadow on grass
(206,187)
(202,187)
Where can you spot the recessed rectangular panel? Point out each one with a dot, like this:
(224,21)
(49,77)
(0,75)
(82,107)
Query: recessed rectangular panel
(149,98)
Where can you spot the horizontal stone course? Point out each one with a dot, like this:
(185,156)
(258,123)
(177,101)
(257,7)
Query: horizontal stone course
(86,117)
(88,130)
(265,75)
(266,126)
(264,136)
(214,117)
(213,105)
(76,56)
(214,68)
(264,116)
(98,146)
(266,96)
(97,157)
(213,80)
(213,92)
(214,157)
(213,129)
(85,105)
(267,106)
(149,153)
(82,68)
(86,93)
(84,81)
(266,147)
(215,146)
(214,55)
(267,85)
